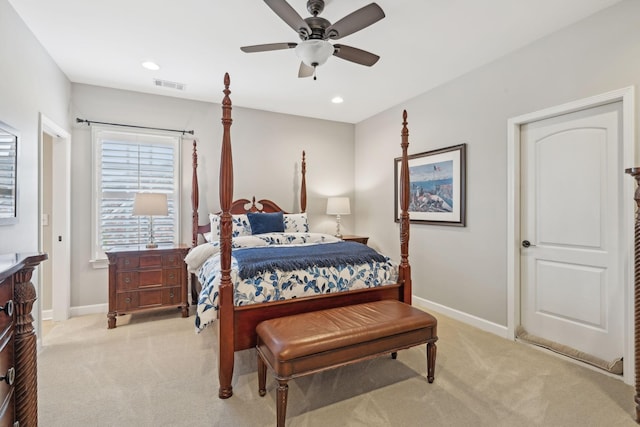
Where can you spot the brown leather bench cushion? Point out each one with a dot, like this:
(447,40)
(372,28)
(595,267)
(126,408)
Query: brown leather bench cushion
(371,327)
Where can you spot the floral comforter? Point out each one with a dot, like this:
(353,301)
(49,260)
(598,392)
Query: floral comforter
(204,260)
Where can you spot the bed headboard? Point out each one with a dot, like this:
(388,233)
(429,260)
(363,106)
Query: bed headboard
(240,206)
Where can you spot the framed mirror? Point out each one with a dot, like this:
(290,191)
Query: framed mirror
(8,174)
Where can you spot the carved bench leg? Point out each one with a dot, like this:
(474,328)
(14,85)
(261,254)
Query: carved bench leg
(394,355)
(431,361)
(281,410)
(262,376)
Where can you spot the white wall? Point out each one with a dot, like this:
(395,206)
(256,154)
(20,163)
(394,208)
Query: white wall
(465,268)
(267,150)
(30,83)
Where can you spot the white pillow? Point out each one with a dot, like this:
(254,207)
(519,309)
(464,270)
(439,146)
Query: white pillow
(239,226)
(296,223)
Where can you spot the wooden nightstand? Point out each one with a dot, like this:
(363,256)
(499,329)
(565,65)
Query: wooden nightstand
(359,239)
(144,279)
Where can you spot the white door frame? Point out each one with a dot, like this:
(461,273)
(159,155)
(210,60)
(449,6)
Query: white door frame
(61,216)
(626,96)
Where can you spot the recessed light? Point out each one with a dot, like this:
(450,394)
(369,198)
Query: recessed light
(337,100)
(150,65)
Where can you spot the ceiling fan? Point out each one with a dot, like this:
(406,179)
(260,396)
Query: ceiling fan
(314,31)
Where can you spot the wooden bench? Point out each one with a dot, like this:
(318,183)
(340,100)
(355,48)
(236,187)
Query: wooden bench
(307,343)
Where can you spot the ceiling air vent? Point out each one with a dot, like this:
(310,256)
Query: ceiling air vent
(168,84)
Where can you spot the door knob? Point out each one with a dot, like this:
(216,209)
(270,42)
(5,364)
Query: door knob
(526,244)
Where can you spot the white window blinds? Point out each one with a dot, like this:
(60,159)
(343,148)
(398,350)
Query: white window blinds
(128,163)
(7,174)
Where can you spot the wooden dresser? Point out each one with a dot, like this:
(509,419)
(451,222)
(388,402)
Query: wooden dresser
(144,279)
(18,351)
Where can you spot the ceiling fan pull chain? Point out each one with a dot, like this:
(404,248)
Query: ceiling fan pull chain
(314,72)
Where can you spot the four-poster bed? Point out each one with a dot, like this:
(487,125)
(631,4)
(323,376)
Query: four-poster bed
(237,323)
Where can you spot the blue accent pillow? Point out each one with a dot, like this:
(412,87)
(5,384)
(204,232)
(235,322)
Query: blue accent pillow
(266,222)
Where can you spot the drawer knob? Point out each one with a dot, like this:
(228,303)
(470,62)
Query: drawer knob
(127,300)
(171,295)
(8,308)
(9,377)
(126,262)
(127,280)
(172,276)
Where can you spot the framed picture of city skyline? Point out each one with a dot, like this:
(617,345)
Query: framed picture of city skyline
(437,186)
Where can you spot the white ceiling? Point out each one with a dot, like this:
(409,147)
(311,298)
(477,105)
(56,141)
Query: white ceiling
(422,44)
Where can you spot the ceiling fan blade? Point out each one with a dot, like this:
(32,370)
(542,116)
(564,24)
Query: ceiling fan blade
(305,70)
(355,21)
(356,55)
(267,47)
(289,15)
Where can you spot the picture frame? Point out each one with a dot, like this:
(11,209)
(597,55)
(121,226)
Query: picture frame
(437,181)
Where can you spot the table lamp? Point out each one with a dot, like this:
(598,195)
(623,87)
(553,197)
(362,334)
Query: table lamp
(150,204)
(338,206)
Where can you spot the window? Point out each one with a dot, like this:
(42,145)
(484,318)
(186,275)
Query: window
(126,163)
(8,186)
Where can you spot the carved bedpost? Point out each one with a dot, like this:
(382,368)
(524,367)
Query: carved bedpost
(635,172)
(195,201)
(226,316)
(405,268)
(25,352)
(303,185)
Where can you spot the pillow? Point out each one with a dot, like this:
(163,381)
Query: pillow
(266,222)
(296,223)
(239,226)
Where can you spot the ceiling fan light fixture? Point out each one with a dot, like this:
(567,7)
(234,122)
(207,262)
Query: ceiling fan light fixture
(314,52)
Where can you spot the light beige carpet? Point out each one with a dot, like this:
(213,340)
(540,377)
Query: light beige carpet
(155,371)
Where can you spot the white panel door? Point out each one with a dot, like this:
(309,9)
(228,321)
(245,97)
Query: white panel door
(571,273)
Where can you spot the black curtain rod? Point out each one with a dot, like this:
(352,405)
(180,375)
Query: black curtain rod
(89,122)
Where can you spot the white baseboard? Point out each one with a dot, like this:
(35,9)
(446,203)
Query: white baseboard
(89,309)
(79,311)
(469,319)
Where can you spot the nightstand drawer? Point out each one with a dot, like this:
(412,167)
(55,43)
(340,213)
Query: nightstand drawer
(171,277)
(127,280)
(172,260)
(159,297)
(128,262)
(150,278)
(130,301)
(127,301)
(171,296)
(151,261)
(150,298)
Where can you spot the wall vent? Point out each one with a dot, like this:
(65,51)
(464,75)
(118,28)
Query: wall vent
(169,85)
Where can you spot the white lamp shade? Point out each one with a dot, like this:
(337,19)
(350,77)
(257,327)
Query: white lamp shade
(150,204)
(338,206)
(314,52)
